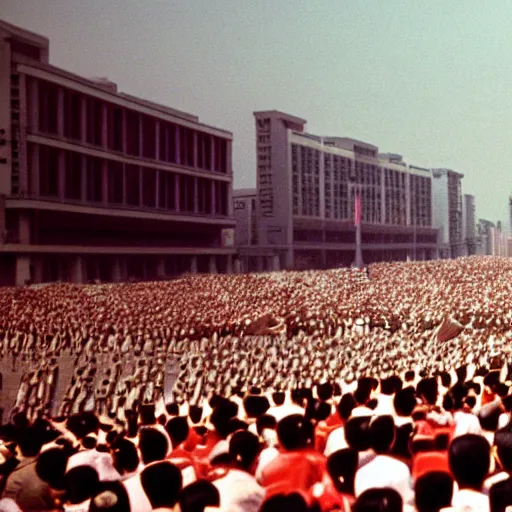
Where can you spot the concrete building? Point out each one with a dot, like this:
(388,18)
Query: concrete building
(486,230)
(469,224)
(448,219)
(306,198)
(98,184)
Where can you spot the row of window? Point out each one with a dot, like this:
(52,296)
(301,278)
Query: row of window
(68,175)
(99,123)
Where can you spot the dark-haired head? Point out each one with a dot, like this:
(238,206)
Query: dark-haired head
(342,467)
(178,429)
(378,500)
(81,483)
(294,432)
(162,484)
(469,458)
(198,495)
(433,491)
(153,445)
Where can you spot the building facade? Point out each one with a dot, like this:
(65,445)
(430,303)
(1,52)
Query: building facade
(98,184)
(448,218)
(306,189)
(469,224)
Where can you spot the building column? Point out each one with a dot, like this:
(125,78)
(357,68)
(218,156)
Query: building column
(34,170)
(33,119)
(157,190)
(24,228)
(60,112)
(177,192)
(104,126)
(116,270)
(238,267)
(275,263)
(177,144)
(83,176)
(212,265)
(160,267)
(157,140)
(77,270)
(193,265)
(22,270)
(123,130)
(195,145)
(104,182)
(83,119)
(213,198)
(141,135)
(196,195)
(229,264)
(260,263)
(212,152)
(38,270)
(62,174)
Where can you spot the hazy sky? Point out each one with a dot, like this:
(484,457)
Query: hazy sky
(431,80)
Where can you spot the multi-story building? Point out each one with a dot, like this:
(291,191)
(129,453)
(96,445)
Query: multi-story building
(469,224)
(485,230)
(98,184)
(306,189)
(447,193)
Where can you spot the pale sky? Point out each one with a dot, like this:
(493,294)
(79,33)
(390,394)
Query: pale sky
(431,80)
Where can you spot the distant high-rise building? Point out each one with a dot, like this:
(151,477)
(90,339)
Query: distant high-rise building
(510,213)
(447,200)
(306,196)
(98,184)
(469,224)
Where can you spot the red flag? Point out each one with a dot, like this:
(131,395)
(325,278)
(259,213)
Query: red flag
(357,210)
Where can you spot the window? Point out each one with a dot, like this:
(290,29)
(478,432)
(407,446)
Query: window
(239,205)
(132,184)
(149,187)
(48,171)
(73,176)
(115,182)
(94,180)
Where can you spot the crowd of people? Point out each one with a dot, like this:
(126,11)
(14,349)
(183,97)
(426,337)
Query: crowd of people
(386,389)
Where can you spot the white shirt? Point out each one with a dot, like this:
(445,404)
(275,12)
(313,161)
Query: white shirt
(384,471)
(466,423)
(467,500)
(138,498)
(239,492)
(287,409)
(102,462)
(385,405)
(336,441)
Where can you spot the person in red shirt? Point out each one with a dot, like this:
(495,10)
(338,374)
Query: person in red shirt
(297,467)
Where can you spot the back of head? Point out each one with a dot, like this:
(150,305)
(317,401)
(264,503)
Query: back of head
(113,498)
(153,445)
(503,443)
(427,389)
(281,502)
(125,455)
(244,448)
(198,495)
(382,434)
(30,442)
(81,483)
(178,429)
(172,408)
(469,458)
(324,391)
(255,405)
(195,413)
(162,483)
(278,397)
(357,433)
(404,402)
(342,467)
(51,467)
(294,432)
(346,405)
(433,491)
(265,421)
(378,500)
(147,414)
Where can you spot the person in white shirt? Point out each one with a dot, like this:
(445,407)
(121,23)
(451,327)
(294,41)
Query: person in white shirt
(469,457)
(465,421)
(384,471)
